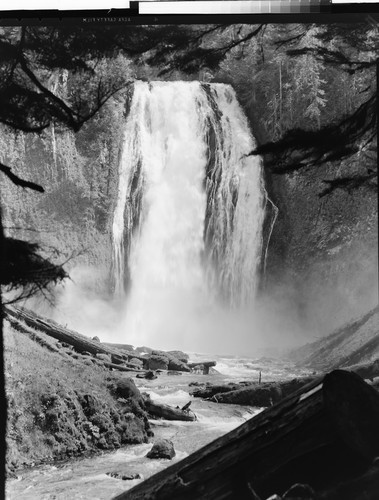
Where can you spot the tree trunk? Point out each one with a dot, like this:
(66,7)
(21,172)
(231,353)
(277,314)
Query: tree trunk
(3,400)
(324,433)
(167,412)
(78,341)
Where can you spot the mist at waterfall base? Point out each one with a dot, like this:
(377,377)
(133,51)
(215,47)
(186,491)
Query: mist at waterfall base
(268,328)
(187,231)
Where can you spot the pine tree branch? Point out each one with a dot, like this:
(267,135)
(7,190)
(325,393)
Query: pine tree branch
(18,181)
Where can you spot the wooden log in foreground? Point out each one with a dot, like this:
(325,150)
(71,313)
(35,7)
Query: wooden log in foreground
(324,433)
(167,412)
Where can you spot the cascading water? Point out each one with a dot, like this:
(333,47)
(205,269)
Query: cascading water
(187,229)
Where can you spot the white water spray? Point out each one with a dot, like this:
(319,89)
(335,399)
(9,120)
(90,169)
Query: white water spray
(187,229)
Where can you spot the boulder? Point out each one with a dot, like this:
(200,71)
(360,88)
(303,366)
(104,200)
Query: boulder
(149,375)
(162,448)
(173,362)
(180,355)
(124,477)
(156,362)
(177,365)
(117,360)
(96,338)
(126,388)
(103,357)
(143,348)
(135,361)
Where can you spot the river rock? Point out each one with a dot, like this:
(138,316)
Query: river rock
(173,362)
(135,361)
(103,357)
(126,388)
(149,375)
(157,362)
(180,355)
(124,477)
(117,360)
(162,448)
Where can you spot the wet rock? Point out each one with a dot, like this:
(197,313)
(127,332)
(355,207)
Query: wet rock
(124,477)
(117,360)
(149,375)
(180,355)
(135,361)
(126,388)
(156,362)
(173,362)
(162,448)
(103,357)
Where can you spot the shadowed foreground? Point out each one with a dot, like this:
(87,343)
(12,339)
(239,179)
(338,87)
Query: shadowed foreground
(326,434)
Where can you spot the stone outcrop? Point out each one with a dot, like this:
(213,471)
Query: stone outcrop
(162,448)
(126,388)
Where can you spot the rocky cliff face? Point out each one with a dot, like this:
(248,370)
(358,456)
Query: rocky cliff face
(322,258)
(79,175)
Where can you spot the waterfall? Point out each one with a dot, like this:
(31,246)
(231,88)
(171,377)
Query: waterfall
(187,227)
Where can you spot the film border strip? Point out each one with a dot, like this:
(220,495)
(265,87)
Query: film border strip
(204,11)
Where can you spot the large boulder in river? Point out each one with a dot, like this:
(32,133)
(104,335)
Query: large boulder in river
(136,362)
(173,362)
(162,448)
(157,362)
(180,355)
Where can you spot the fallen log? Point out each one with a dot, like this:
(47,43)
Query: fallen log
(269,393)
(126,367)
(125,348)
(53,329)
(326,432)
(253,394)
(205,364)
(166,411)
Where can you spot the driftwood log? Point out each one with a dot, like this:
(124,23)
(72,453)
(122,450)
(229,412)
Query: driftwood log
(205,365)
(166,411)
(325,433)
(269,393)
(79,342)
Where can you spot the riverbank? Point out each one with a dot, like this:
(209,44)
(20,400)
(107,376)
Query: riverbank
(61,407)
